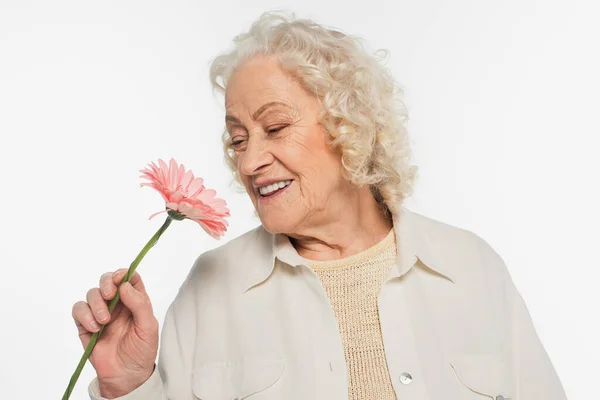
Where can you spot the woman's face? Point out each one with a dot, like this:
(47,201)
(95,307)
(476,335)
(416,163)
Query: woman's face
(272,121)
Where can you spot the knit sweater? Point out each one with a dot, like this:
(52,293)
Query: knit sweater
(353,284)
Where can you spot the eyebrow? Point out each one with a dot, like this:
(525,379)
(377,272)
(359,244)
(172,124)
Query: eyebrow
(258,112)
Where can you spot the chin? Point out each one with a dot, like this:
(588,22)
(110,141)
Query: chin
(275,224)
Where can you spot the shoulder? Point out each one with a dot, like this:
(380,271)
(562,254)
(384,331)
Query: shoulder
(223,263)
(459,250)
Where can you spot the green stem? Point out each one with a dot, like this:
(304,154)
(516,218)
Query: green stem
(113,303)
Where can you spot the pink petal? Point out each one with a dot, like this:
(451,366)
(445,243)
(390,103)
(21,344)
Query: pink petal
(177,197)
(173,206)
(195,186)
(173,173)
(163,171)
(185,181)
(180,174)
(155,214)
(207,195)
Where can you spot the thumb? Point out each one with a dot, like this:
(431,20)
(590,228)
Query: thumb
(140,307)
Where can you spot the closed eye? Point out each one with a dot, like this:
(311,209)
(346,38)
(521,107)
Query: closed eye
(276,129)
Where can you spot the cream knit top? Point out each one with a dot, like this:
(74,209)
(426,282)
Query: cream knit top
(353,284)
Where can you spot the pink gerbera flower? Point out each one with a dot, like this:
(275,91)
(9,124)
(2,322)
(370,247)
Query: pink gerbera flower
(186,197)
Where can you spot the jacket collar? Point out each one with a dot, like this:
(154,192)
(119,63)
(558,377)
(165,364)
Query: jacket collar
(412,245)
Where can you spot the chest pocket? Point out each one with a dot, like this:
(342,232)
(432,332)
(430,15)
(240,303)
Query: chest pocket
(235,379)
(484,375)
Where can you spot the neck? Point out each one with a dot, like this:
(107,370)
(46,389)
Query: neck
(350,228)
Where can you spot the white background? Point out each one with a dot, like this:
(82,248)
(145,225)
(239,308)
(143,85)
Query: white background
(503,103)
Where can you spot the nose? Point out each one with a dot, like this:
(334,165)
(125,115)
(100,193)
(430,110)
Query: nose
(256,155)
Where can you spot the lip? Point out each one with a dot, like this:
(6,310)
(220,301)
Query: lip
(262,198)
(266,182)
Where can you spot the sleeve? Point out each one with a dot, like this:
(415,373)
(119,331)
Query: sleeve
(172,375)
(152,389)
(535,376)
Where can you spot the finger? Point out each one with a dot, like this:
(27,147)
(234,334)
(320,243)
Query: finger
(109,282)
(107,286)
(84,335)
(85,321)
(135,280)
(98,306)
(140,306)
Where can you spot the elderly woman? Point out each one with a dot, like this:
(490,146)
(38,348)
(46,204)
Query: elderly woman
(341,292)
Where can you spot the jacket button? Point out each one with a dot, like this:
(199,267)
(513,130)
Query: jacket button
(405,378)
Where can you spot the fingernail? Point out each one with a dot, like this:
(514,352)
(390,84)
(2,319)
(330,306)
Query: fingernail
(102,316)
(115,273)
(94,325)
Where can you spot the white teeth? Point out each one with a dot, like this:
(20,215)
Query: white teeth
(273,187)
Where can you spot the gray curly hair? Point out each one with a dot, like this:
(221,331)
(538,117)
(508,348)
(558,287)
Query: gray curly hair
(362,108)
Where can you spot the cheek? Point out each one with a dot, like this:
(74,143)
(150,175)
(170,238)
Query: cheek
(303,152)
(322,165)
(313,161)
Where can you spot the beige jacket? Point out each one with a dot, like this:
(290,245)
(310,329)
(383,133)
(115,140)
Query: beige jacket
(253,321)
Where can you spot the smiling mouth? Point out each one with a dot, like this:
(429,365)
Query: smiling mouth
(275,192)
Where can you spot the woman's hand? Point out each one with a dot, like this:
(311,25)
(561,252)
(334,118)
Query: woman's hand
(124,355)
